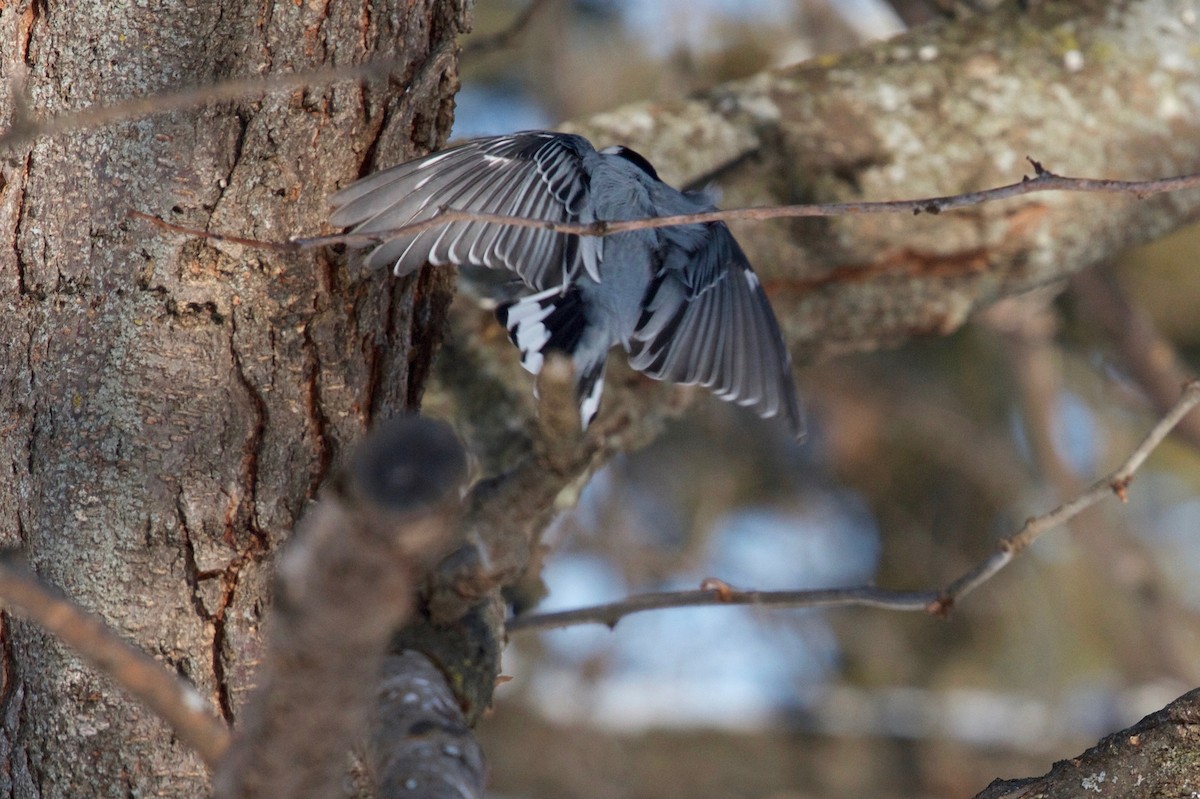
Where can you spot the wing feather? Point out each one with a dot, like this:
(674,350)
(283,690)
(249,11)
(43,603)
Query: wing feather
(718,332)
(536,174)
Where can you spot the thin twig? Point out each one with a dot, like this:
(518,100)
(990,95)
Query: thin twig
(204,234)
(170,698)
(506,37)
(25,127)
(1040,182)
(935,601)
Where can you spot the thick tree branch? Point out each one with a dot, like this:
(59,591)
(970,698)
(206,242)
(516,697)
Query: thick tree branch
(507,512)
(420,745)
(941,110)
(344,585)
(1153,758)
(937,601)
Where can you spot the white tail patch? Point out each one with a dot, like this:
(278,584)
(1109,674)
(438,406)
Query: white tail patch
(591,403)
(525,326)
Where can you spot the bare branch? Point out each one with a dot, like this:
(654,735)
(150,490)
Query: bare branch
(163,224)
(25,127)
(936,601)
(173,700)
(1042,181)
(345,584)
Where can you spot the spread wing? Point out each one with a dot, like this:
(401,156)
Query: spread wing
(711,324)
(537,175)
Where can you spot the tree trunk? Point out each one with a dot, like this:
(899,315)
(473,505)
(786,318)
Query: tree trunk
(171,405)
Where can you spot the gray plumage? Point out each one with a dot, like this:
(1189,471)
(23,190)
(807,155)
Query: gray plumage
(682,301)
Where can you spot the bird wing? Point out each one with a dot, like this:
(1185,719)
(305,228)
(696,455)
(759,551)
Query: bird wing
(537,175)
(711,324)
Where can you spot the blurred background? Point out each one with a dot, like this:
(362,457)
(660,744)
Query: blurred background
(917,460)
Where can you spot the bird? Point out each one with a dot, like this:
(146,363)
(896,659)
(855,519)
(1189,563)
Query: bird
(682,301)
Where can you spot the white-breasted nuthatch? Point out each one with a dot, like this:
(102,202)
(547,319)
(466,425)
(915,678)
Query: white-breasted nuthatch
(682,301)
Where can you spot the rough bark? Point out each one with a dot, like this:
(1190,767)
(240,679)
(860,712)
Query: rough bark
(1155,757)
(170,406)
(420,746)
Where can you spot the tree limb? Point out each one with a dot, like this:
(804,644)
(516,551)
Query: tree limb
(175,701)
(420,745)
(1153,758)
(344,585)
(940,110)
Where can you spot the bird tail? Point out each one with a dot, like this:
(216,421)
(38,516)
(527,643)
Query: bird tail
(551,320)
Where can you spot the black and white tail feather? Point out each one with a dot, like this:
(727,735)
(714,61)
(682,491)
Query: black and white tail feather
(556,320)
(683,301)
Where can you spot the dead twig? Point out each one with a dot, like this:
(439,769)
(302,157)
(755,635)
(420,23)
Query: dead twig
(25,126)
(1042,181)
(935,601)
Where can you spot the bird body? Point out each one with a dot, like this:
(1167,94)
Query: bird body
(682,301)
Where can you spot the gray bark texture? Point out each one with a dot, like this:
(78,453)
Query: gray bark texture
(169,405)
(1156,757)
